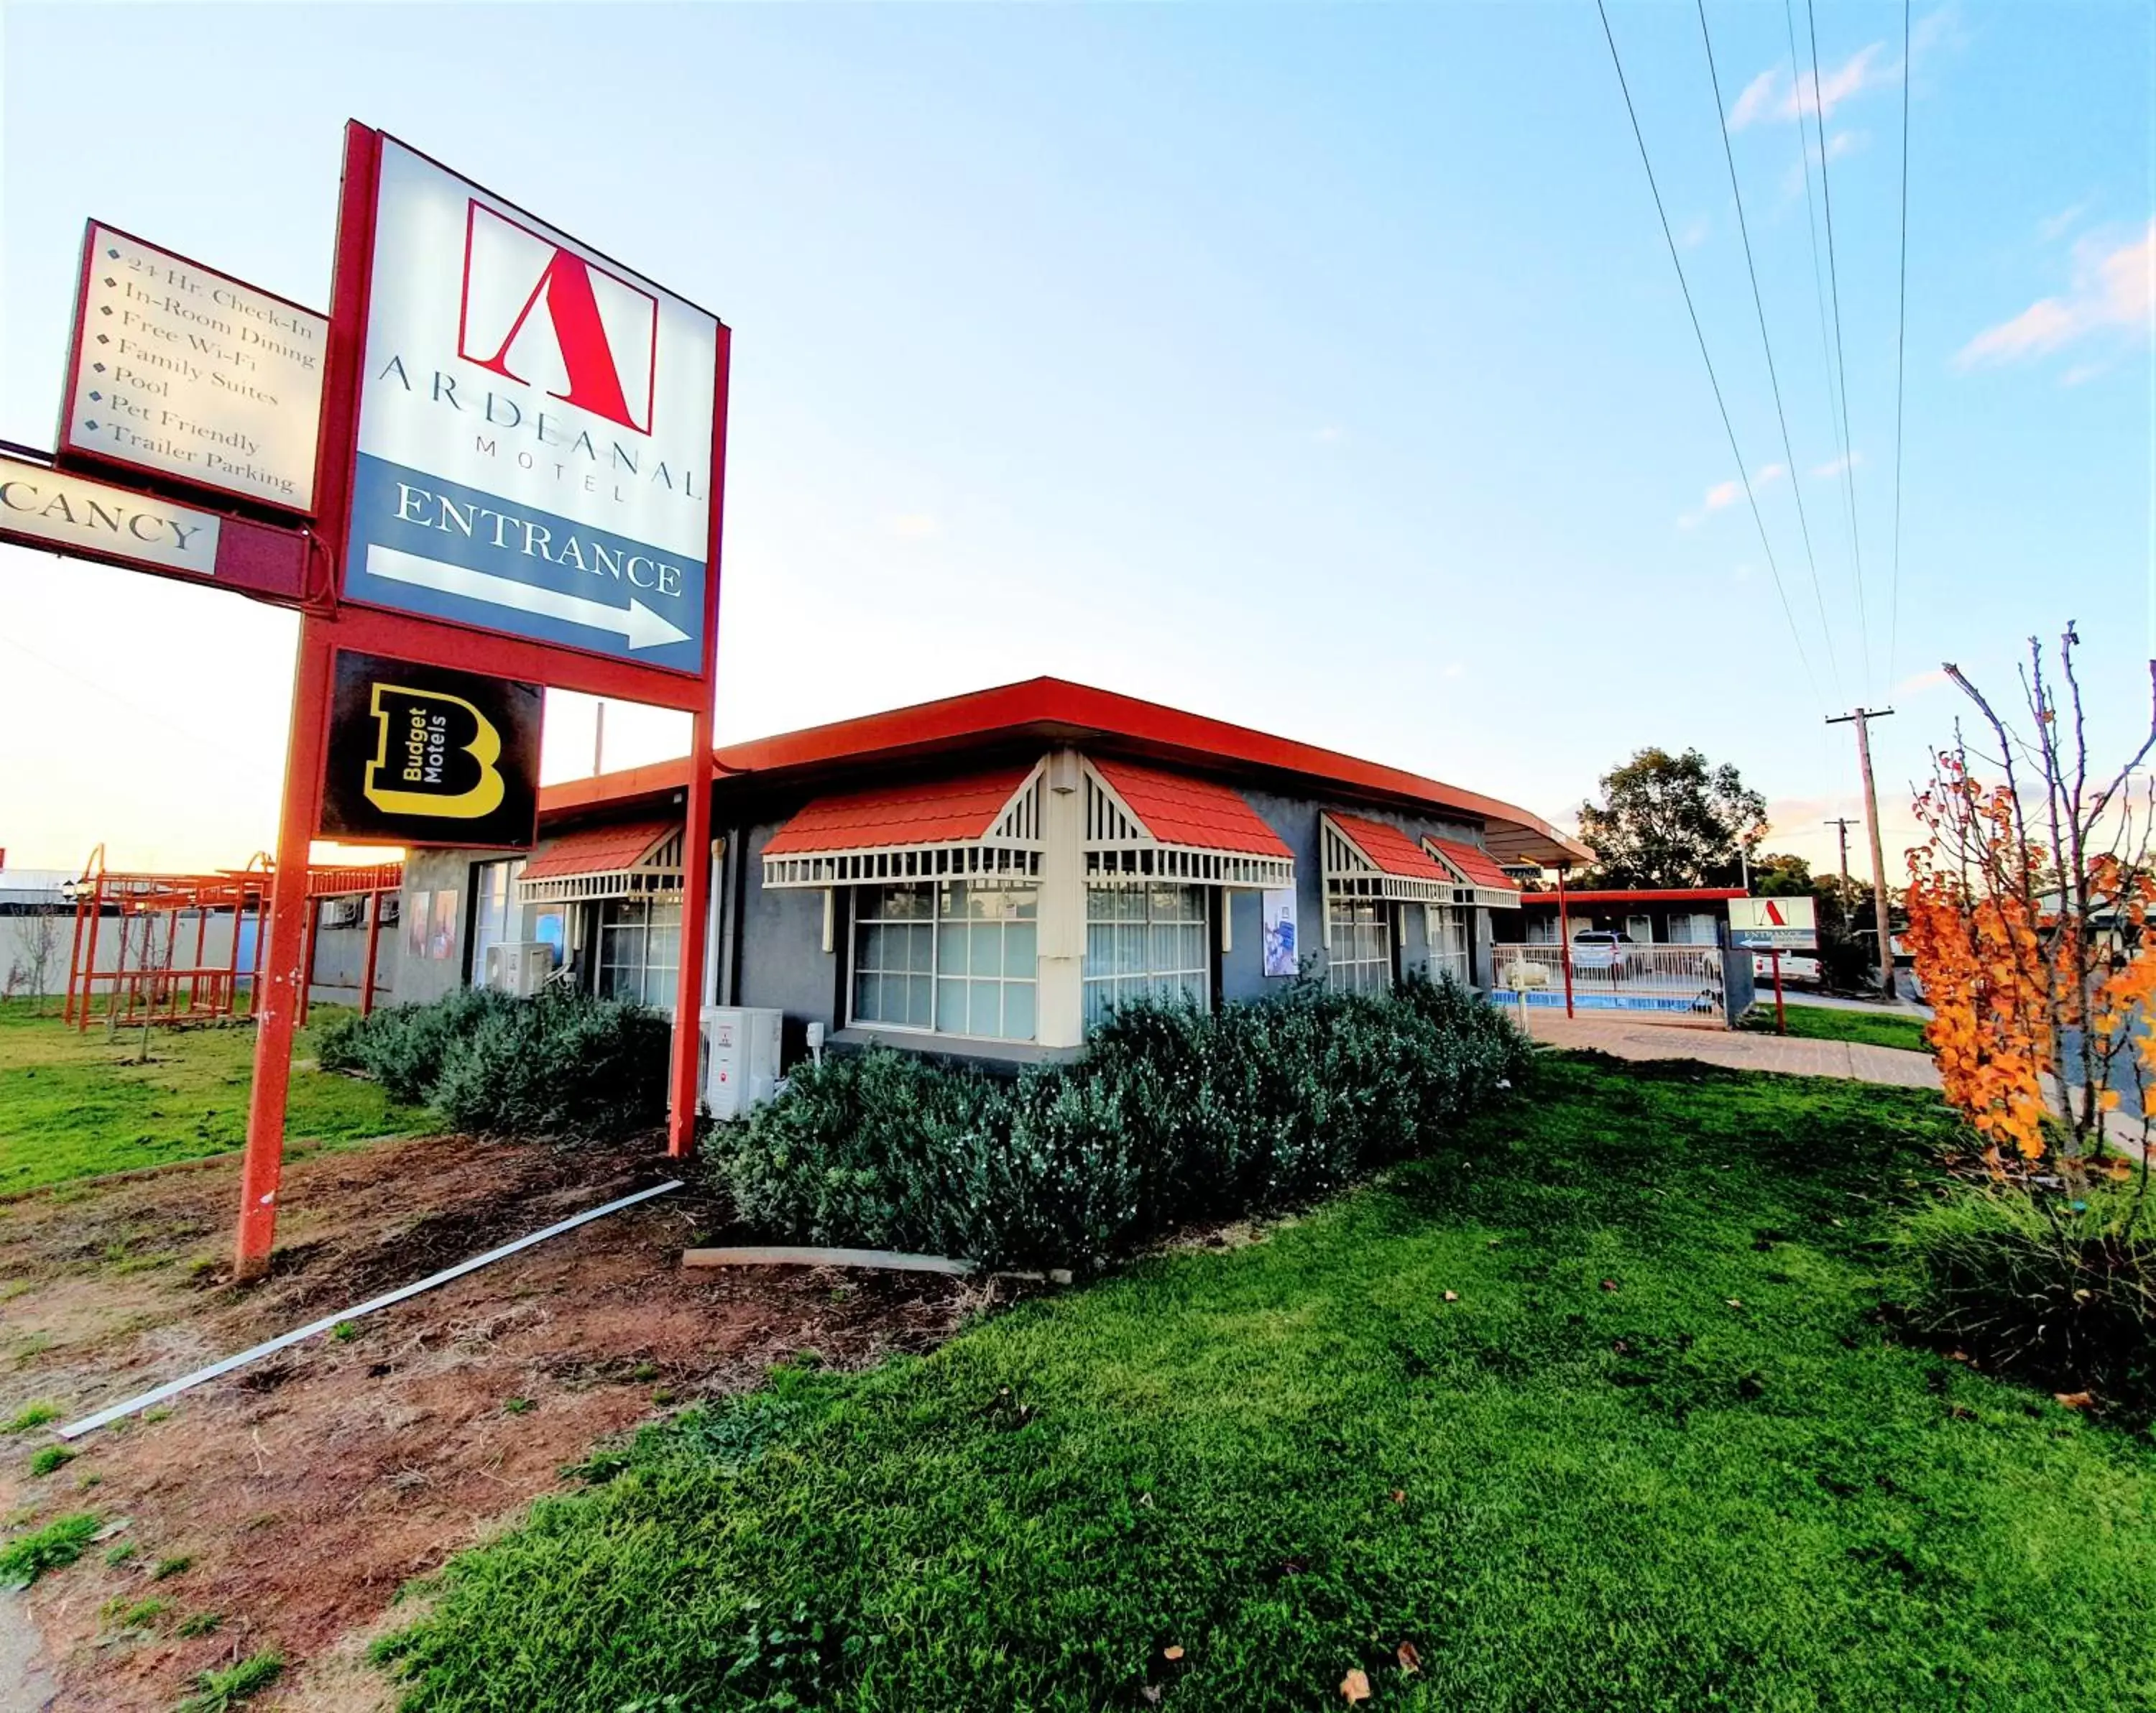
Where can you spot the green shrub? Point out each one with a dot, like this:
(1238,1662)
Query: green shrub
(2059,1291)
(561,1064)
(557,1065)
(402,1047)
(1173,1115)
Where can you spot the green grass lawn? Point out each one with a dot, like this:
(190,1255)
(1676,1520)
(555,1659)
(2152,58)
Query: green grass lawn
(1825,1023)
(73,1105)
(1658,1454)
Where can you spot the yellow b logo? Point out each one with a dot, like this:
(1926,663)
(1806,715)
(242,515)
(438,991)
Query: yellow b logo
(434,755)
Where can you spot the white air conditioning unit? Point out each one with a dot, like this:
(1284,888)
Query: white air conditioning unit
(740,1059)
(520,967)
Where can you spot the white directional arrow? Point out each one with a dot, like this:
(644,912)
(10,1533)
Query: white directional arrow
(643,628)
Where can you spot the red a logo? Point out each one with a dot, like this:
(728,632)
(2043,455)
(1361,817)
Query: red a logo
(1774,914)
(545,316)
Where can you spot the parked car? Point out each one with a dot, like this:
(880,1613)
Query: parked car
(1797,967)
(1598,949)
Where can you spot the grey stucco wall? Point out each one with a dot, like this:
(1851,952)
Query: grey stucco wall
(340,959)
(435,973)
(782,962)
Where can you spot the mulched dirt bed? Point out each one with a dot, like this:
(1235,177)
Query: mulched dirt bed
(304,1492)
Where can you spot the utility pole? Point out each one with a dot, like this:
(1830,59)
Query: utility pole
(1861,719)
(1841,824)
(598,739)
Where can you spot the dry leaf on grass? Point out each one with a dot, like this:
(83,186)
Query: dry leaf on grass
(1409,1660)
(1452,1297)
(1356,1685)
(1609,1285)
(1400,1495)
(2074,1400)
(1171,1652)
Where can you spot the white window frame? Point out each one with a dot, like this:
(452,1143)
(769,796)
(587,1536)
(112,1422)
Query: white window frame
(1352,925)
(495,908)
(601,964)
(937,920)
(1176,981)
(1447,928)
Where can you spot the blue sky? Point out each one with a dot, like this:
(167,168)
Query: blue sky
(1319,368)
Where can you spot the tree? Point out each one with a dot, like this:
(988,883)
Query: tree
(2029,913)
(1669,820)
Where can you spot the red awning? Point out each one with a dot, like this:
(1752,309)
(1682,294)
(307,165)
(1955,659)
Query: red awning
(1196,813)
(1391,851)
(1493,888)
(950,811)
(596,850)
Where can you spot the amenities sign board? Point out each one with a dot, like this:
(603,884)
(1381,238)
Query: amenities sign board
(1774,924)
(421,754)
(536,430)
(190,374)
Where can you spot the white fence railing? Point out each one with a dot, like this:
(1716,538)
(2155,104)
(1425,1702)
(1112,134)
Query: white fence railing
(1670,980)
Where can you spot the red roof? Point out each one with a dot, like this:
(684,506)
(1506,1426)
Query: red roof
(1196,813)
(950,811)
(1391,850)
(596,850)
(1478,865)
(1055,712)
(1650,895)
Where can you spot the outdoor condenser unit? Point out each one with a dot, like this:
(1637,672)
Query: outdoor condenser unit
(740,1059)
(518,966)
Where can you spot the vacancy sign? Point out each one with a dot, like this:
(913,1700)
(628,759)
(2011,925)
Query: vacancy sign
(1774,924)
(536,430)
(189,374)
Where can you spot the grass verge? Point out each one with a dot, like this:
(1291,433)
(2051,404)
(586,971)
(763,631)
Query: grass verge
(1594,1412)
(1826,1022)
(75,1106)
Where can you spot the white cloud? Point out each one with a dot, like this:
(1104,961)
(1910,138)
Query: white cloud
(2113,291)
(1328,434)
(913,527)
(1835,466)
(1694,235)
(1918,682)
(1773,96)
(2051,230)
(1723,495)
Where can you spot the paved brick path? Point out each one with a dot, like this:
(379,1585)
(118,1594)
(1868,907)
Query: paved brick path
(1739,1049)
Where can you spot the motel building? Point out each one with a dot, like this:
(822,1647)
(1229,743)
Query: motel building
(985,877)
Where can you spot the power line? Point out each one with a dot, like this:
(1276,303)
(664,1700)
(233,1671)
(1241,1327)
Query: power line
(1684,285)
(1901,337)
(1841,369)
(1774,379)
(1811,220)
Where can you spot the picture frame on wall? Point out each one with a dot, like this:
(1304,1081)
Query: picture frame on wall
(415,925)
(1282,951)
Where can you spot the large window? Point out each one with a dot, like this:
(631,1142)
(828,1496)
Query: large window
(1448,944)
(641,949)
(959,959)
(1143,942)
(494,910)
(1360,958)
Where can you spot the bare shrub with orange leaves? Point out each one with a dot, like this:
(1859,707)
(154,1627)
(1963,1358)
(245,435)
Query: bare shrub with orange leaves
(2028,915)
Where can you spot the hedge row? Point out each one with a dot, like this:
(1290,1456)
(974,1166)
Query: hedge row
(561,1064)
(1174,1115)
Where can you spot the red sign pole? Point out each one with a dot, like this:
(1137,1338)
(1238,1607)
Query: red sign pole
(277,990)
(1564,937)
(1781,1016)
(696,828)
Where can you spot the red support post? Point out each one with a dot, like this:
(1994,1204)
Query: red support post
(90,961)
(373,944)
(202,933)
(307,962)
(232,966)
(1564,937)
(1781,1016)
(275,1002)
(264,909)
(74,962)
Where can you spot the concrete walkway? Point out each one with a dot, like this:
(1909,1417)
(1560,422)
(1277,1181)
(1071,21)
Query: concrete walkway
(1739,1049)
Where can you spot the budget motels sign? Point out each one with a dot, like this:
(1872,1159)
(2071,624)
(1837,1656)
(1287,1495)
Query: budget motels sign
(534,438)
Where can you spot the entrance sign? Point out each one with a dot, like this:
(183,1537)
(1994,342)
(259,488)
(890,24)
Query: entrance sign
(536,431)
(1774,924)
(192,375)
(45,509)
(421,755)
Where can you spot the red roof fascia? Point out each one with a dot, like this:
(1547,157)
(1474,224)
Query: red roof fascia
(612,787)
(1055,703)
(949,812)
(596,850)
(1650,895)
(1195,812)
(1477,864)
(1391,850)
